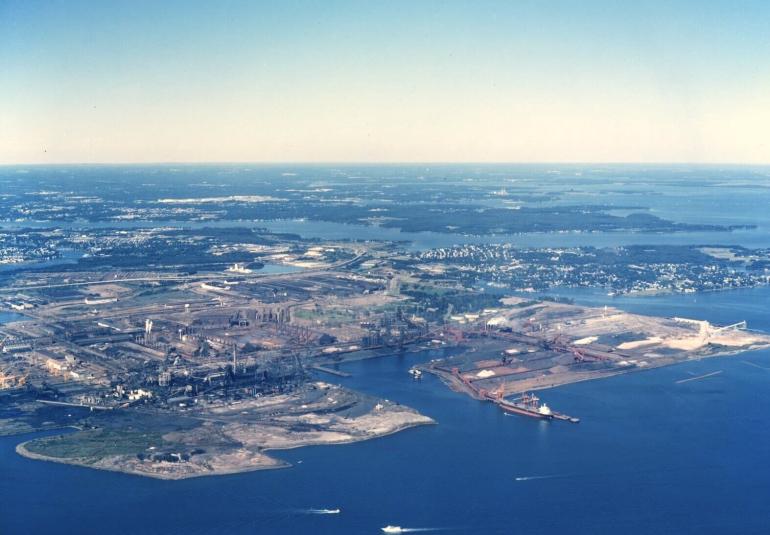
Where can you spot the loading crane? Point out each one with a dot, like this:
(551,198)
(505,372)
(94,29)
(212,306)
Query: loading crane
(741,325)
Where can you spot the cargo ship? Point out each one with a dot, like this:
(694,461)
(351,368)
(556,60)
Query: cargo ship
(529,405)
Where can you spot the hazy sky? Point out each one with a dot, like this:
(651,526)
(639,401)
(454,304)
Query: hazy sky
(541,80)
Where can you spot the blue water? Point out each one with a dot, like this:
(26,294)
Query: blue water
(417,241)
(649,455)
(67,256)
(7,317)
(272,269)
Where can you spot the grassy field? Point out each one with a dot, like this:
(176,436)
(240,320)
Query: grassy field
(95,444)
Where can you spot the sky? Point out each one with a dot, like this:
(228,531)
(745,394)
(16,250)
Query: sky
(385,81)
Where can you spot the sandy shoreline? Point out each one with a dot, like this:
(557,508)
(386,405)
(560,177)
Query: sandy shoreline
(274,464)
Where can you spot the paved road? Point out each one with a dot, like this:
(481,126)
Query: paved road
(341,265)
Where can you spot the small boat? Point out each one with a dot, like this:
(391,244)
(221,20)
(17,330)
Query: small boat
(415,373)
(392,529)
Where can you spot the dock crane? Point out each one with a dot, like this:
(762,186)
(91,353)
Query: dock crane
(741,325)
(578,355)
(706,330)
(587,355)
(554,343)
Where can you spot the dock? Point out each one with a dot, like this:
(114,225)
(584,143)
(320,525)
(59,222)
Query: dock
(525,405)
(331,371)
(78,405)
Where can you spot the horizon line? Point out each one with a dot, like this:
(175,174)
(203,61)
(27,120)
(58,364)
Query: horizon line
(381,163)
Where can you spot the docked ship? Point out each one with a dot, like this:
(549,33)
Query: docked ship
(529,405)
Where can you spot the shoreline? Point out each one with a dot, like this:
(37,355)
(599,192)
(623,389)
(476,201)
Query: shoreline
(22,450)
(456,386)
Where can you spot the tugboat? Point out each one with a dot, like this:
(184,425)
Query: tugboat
(415,373)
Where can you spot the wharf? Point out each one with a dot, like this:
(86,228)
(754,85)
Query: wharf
(80,405)
(331,371)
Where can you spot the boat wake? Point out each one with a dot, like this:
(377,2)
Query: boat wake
(399,529)
(410,530)
(698,377)
(755,365)
(532,478)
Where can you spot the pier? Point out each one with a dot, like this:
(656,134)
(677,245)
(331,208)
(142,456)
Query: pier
(331,371)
